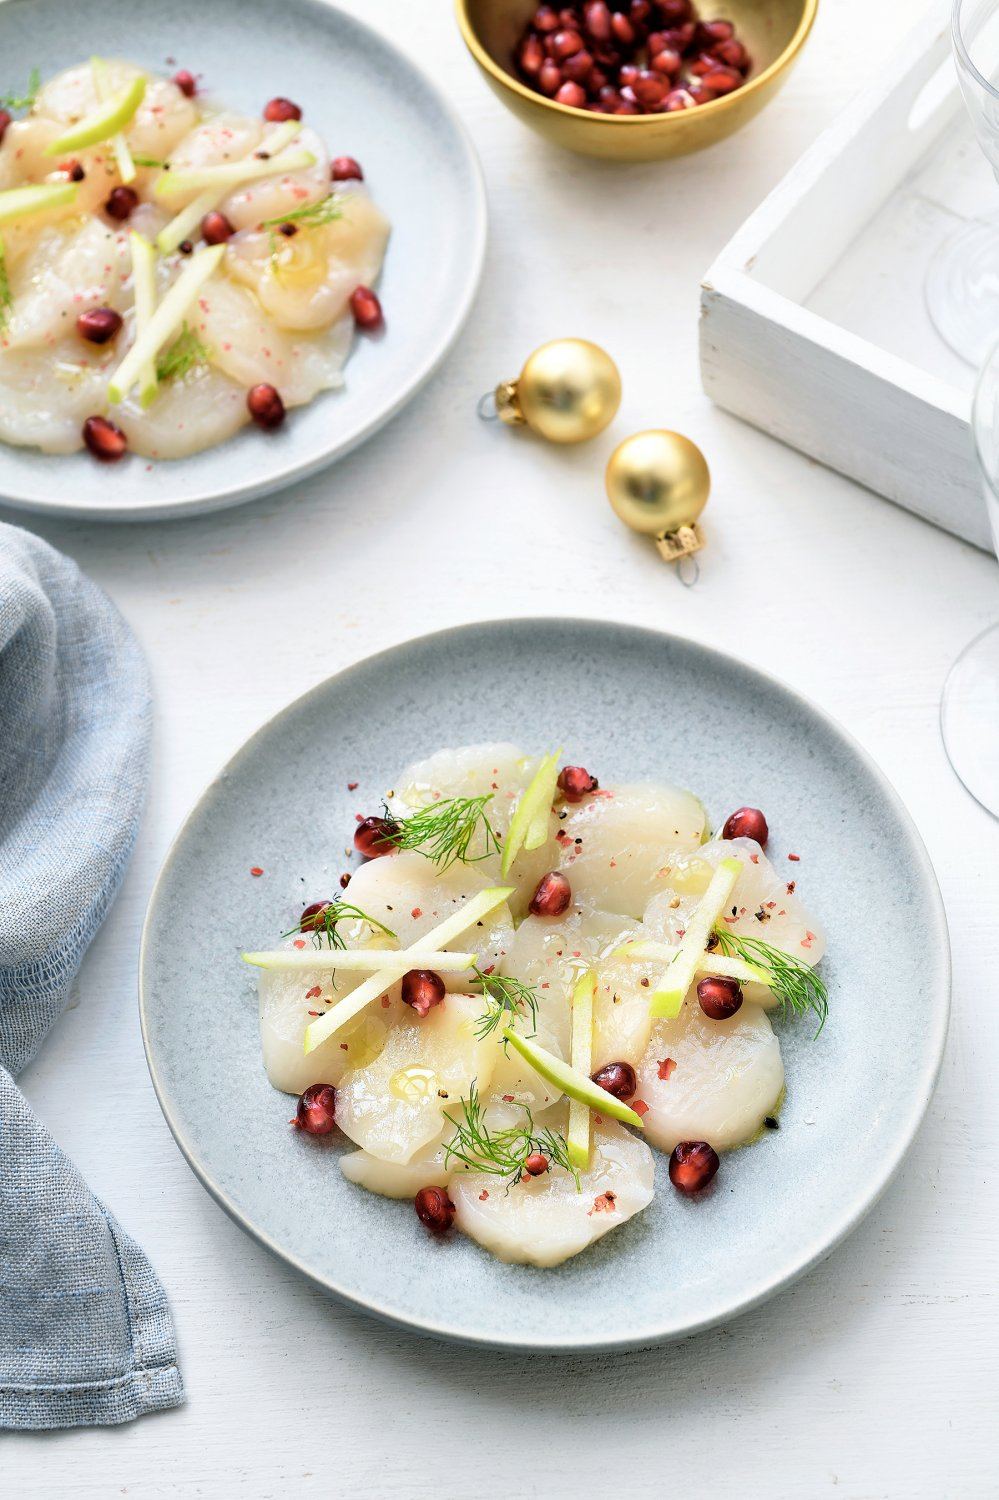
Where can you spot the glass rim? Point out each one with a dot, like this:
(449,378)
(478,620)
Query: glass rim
(960,47)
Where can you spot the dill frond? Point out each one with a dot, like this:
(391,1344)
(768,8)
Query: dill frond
(312,215)
(445,831)
(502,1153)
(508,998)
(327,932)
(797,987)
(186,351)
(24,101)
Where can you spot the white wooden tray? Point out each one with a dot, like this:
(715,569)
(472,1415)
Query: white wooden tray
(813,319)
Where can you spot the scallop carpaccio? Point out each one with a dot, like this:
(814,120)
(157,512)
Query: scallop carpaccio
(566,1053)
(226,244)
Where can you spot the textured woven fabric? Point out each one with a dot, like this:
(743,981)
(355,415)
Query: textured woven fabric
(85,1332)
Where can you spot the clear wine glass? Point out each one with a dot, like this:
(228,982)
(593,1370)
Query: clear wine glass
(969,712)
(962,287)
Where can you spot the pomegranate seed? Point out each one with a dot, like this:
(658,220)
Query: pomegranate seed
(366,308)
(532,55)
(699,93)
(73,170)
(709,32)
(422,989)
(692,1166)
(681,37)
(627,107)
(311,919)
(627,74)
(649,87)
(5,120)
(722,81)
(732,53)
(546,18)
(719,997)
(316,1113)
(563,44)
(575,783)
(622,29)
(346,169)
(567,17)
(374,837)
(747,823)
(345,880)
(186,82)
(186,247)
(679,99)
(99,325)
(105,441)
(618,1079)
(121,202)
(667,62)
(552,895)
(536,1164)
(281,109)
(578,67)
(572,94)
(703,64)
(265,406)
(676,12)
(434,1209)
(216,228)
(550,77)
(639,11)
(597,17)
(597,80)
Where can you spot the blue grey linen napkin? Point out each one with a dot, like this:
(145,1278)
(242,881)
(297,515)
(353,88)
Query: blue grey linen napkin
(85,1332)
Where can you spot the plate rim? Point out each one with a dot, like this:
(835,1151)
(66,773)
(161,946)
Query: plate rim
(862,1200)
(205,501)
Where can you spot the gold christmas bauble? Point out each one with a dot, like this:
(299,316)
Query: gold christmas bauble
(567,392)
(658,482)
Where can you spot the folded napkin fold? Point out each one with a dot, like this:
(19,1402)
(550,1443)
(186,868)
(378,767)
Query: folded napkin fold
(85,1332)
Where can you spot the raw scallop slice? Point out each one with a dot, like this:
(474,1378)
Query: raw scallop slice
(396,1179)
(191,412)
(764,906)
(545,1220)
(67,270)
(305,282)
(727,1076)
(221,139)
(410,896)
(246,345)
(268,198)
(622,1019)
(395,1106)
(47,394)
(498,771)
(550,953)
(288,1002)
(164,116)
(616,847)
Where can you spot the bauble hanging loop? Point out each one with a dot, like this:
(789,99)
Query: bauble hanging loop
(658,483)
(568,391)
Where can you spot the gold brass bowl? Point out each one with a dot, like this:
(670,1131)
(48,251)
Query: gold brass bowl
(774,32)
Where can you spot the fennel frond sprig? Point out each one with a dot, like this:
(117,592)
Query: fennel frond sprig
(311,216)
(324,927)
(186,351)
(508,998)
(6,295)
(23,101)
(797,987)
(501,1153)
(445,831)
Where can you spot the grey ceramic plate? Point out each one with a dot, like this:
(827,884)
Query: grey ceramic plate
(628,703)
(368,101)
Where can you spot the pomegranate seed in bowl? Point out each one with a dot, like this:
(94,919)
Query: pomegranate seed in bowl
(265,406)
(366,308)
(279,110)
(99,325)
(346,169)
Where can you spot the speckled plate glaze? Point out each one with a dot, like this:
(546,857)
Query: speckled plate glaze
(630,703)
(367,100)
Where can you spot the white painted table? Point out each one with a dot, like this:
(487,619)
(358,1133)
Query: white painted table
(875,1376)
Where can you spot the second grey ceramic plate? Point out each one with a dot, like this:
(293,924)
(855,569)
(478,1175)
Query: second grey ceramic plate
(368,101)
(630,704)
